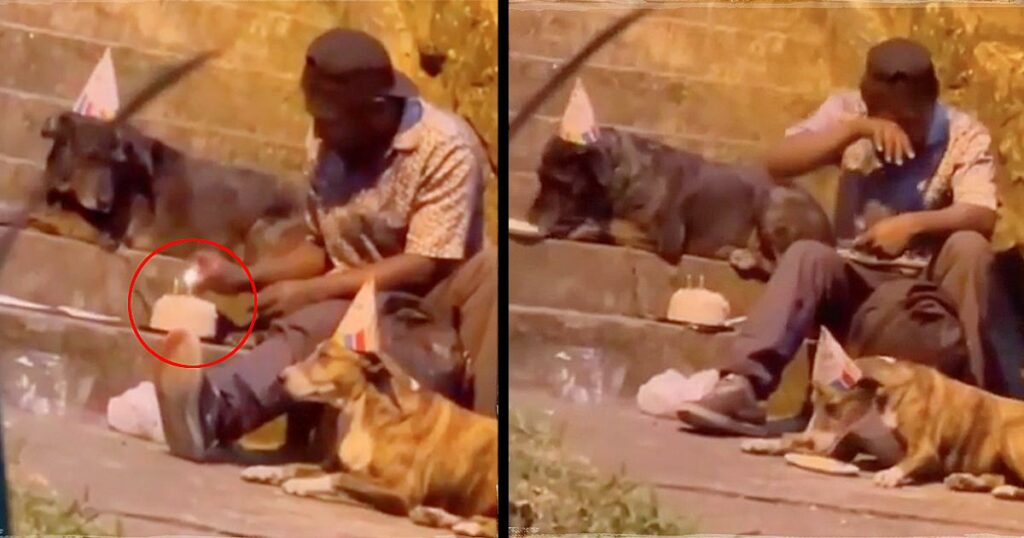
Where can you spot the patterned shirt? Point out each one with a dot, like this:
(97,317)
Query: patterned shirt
(965,169)
(425,198)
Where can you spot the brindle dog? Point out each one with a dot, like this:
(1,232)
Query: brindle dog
(138,191)
(674,202)
(107,182)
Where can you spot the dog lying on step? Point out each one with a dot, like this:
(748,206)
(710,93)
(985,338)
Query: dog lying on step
(945,429)
(135,190)
(630,190)
(408,451)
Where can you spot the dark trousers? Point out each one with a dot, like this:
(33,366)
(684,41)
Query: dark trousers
(245,392)
(813,286)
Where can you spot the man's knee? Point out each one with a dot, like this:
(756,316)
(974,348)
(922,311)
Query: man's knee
(810,252)
(968,244)
(965,248)
(486,260)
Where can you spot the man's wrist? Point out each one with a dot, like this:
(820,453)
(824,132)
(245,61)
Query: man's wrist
(916,223)
(853,128)
(314,291)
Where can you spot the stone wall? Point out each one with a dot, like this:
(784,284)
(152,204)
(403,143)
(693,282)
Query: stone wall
(245,107)
(718,80)
(726,79)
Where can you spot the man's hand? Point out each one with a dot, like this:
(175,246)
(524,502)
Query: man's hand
(889,237)
(283,298)
(218,275)
(889,138)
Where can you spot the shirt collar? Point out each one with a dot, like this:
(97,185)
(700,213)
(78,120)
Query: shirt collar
(938,133)
(408,136)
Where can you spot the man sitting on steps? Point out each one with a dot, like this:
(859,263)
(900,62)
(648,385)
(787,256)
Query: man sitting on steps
(937,183)
(397,195)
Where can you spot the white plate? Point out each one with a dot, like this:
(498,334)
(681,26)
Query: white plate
(523,228)
(85,314)
(821,464)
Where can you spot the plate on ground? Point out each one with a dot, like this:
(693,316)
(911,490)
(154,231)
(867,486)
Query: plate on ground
(821,464)
(523,229)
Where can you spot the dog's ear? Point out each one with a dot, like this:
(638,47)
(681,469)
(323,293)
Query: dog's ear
(869,385)
(57,126)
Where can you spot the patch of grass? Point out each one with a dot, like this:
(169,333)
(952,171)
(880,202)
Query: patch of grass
(39,512)
(554,492)
(35,509)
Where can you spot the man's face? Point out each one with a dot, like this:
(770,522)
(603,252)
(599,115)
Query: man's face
(349,123)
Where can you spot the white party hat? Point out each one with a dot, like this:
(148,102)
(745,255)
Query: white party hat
(578,123)
(99,97)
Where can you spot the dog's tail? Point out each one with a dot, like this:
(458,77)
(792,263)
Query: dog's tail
(163,81)
(573,65)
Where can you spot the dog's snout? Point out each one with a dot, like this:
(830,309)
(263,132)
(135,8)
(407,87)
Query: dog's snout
(283,375)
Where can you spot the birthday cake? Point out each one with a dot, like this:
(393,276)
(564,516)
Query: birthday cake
(698,305)
(185,312)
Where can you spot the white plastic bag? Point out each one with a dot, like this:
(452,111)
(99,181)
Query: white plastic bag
(662,395)
(137,413)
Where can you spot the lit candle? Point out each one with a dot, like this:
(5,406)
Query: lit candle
(191,277)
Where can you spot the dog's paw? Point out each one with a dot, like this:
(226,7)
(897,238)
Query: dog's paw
(470,528)
(962,482)
(429,516)
(766,447)
(742,260)
(892,477)
(1010,493)
(304,487)
(264,474)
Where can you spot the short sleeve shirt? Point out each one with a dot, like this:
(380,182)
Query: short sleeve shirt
(425,198)
(965,170)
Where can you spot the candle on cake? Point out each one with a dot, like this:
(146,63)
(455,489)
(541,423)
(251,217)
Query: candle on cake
(185,311)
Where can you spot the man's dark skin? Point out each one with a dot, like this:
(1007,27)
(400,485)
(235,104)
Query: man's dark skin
(360,130)
(896,129)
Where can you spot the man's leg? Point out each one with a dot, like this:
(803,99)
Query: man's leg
(812,285)
(244,392)
(472,291)
(964,268)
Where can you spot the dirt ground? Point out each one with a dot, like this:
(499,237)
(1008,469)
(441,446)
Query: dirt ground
(729,492)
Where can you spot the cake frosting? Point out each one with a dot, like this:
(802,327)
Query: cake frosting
(188,312)
(698,305)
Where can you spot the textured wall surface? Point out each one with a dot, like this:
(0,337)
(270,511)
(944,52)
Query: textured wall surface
(726,79)
(245,107)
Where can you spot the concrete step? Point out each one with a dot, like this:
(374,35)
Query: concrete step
(58,271)
(644,347)
(102,359)
(605,279)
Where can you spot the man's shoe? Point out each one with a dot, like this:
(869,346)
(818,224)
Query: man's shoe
(730,408)
(178,391)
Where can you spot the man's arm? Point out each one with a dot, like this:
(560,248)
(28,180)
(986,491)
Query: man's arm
(806,151)
(954,218)
(307,260)
(404,271)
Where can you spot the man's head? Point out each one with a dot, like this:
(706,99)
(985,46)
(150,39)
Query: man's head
(352,91)
(900,85)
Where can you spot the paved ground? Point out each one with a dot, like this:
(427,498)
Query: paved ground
(733,493)
(153,493)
